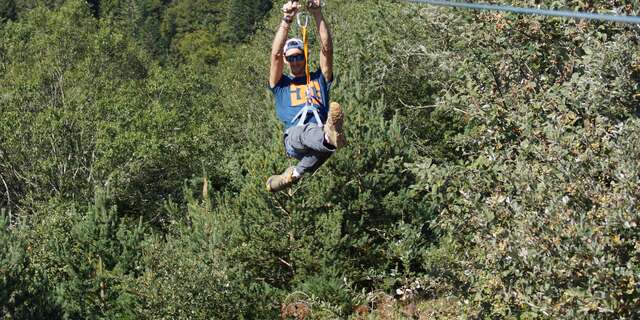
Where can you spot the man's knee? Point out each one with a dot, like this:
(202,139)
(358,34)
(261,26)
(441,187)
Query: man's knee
(314,139)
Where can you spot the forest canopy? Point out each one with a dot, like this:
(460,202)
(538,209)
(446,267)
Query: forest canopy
(492,170)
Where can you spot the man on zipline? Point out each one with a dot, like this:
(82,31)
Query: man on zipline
(302,99)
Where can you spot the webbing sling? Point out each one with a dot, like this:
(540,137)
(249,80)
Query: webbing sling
(309,106)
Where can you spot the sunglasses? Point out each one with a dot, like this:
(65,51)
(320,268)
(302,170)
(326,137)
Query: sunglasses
(295,58)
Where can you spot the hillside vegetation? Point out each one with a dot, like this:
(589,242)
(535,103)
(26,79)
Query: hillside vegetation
(492,170)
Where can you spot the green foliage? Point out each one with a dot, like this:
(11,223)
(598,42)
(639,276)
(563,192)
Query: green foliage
(491,170)
(242,18)
(7,11)
(90,256)
(186,275)
(45,147)
(22,291)
(196,49)
(536,202)
(191,28)
(95,110)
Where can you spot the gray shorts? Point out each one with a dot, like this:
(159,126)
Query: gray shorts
(306,143)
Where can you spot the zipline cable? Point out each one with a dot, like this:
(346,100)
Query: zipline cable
(534,11)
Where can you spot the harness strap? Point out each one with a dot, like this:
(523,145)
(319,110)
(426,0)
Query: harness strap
(309,105)
(302,115)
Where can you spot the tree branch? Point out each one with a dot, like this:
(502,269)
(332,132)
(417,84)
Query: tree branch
(280,205)
(6,187)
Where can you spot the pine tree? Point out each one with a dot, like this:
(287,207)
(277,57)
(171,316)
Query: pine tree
(7,10)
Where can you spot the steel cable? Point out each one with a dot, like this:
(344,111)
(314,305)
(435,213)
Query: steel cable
(534,11)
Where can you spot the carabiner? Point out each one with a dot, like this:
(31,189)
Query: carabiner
(306,19)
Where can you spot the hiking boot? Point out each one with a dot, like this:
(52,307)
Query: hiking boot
(333,127)
(282,181)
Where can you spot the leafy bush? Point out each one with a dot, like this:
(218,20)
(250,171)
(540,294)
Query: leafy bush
(23,292)
(541,204)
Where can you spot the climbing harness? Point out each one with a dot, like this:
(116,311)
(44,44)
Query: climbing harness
(309,107)
(534,11)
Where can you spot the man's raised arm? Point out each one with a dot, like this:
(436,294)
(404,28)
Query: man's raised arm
(326,43)
(277,64)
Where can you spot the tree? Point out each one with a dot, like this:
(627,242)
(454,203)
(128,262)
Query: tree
(7,10)
(243,16)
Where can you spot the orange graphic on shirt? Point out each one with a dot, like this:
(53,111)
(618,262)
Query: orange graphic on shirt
(299,93)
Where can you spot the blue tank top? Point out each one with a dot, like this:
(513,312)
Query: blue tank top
(291,96)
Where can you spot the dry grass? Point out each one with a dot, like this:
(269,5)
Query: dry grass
(297,310)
